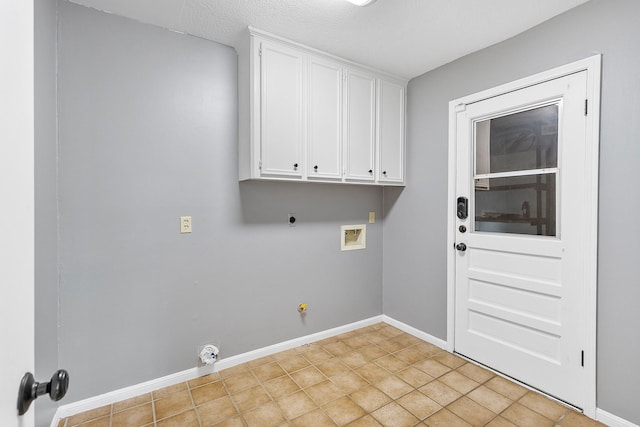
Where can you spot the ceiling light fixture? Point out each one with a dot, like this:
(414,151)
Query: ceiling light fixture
(361,2)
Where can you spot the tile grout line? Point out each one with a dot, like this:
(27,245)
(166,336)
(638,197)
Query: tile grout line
(353,371)
(288,374)
(153,409)
(301,388)
(346,394)
(193,403)
(233,402)
(451,369)
(319,407)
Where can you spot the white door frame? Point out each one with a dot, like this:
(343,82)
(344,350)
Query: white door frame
(16,205)
(592,66)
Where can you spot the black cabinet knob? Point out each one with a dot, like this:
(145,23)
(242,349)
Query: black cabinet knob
(295,165)
(370,170)
(315,168)
(384,172)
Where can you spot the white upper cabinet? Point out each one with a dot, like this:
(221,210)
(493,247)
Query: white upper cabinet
(281,110)
(359,129)
(391,125)
(310,116)
(324,119)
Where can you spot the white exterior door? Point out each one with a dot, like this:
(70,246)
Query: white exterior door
(17,206)
(522,239)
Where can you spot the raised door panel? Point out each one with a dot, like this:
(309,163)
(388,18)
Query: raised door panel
(360,126)
(325,119)
(391,108)
(281,111)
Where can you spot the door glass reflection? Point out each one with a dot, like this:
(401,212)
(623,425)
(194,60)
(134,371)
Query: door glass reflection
(520,204)
(520,141)
(516,163)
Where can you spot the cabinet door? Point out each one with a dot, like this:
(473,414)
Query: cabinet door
(359,125)
(281,110)
(391,108)
(325,119)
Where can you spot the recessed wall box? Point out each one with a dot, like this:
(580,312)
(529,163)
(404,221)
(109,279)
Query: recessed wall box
(353,237)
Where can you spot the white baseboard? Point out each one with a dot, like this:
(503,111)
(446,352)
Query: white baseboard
(415,332)
(190,374)
(612,420)
(70,409)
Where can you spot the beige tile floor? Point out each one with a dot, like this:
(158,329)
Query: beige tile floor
(374,376)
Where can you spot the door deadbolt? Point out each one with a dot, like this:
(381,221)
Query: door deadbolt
(461,207)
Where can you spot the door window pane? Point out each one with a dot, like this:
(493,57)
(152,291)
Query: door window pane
(521,141)
(517,204)
(516,164)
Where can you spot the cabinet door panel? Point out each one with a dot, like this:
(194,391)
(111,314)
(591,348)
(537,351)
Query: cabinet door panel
(391,108)
(281,115)
(325,121)
(359,126)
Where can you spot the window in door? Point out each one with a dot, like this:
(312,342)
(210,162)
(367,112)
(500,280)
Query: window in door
(515,174)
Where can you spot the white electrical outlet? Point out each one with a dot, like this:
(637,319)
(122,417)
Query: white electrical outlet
(185,224)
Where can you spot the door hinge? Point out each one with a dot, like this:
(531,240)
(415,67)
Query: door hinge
(260,52)
(586,107)
(260,165)
(582,358)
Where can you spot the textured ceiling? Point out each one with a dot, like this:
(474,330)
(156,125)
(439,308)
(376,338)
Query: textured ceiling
(403,37)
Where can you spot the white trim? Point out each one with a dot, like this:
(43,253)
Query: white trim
(593,67)
(591,64)
(521,172)
(451,235)
(415,332)
(65,411)
(612,420)
(592,159)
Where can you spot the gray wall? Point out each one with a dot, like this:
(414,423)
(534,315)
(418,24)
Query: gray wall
(46,231)
(415,226)
(147,133)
